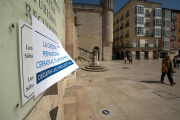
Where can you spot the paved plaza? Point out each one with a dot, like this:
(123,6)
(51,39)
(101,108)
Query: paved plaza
(127,91)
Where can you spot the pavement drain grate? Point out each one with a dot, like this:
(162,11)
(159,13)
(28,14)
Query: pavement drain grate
(105,112)
(125,67)
(165,95)
(90,80)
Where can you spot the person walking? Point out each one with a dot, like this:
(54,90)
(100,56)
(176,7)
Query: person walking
(167,68)
(125,59)
(130,60)
(177,61)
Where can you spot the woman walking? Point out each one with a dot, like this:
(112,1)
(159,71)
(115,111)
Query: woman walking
(125,59)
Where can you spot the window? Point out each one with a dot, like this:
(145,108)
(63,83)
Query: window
(147,12)
(140,30)
(179,45)
(118,44)
(127,43)
(137,43)
(173,33)
(155,44)
(167,23)
(147,20)
(173,15)
(166,45)
(158,22)
(173,24)
(166,33)
(146,43)
(157,13)
(167,14)
(140,9)
(157,32)
(140,20)
(172,45)
(146,32)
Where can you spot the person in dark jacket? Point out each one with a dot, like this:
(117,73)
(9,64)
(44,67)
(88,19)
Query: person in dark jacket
(167,68)
(130,60)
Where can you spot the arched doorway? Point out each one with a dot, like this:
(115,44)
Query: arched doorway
(97,48)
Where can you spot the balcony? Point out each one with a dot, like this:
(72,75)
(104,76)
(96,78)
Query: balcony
(139,46)
(126,35)
(117,29)
(173,38)
(117,38)
(147,14)
(117,21)
(121,18)
(148,35)
(174,18)
(126,15)
(114,31)
(114,23)
(173,48)
(121,37)
(147,24)
(114,39)
(173,28)
(127,24)
(121,27)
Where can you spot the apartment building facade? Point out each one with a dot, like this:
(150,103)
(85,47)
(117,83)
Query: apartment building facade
(170,34)
(137,29)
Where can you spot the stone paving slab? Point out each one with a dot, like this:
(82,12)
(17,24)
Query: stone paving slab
(126,93)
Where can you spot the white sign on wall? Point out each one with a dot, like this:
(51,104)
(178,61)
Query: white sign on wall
(26,61)
(51,62)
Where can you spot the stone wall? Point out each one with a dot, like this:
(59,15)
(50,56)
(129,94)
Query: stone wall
(89,27)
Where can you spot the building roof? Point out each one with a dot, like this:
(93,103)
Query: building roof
(171,9)
(138,0)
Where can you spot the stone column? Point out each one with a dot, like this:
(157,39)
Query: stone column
(107,28)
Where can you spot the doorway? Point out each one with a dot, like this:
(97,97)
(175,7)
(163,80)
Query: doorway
(97,48)
(146,55)
(138,55)
(154,54)
(122,55)
(127,55)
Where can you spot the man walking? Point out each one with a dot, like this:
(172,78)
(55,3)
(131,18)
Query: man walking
(177,61)
(167,68)
(130,60)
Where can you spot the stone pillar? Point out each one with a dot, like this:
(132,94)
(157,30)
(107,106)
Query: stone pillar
(70,30)
(107,28)
(95,58)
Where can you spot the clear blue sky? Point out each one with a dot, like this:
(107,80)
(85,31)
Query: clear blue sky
(118,4)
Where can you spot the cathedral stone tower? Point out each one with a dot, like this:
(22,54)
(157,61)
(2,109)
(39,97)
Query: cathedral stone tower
(107,28)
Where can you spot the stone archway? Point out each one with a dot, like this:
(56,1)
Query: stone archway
(97,48)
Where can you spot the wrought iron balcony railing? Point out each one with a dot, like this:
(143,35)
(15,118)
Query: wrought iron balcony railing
(173,28)
(148,35)
(121,37)
(126,15)
(121,18)
(117,21)
(174,18)
(147,24)
(173,38)
(127,24)
(147,14)
(121,27)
